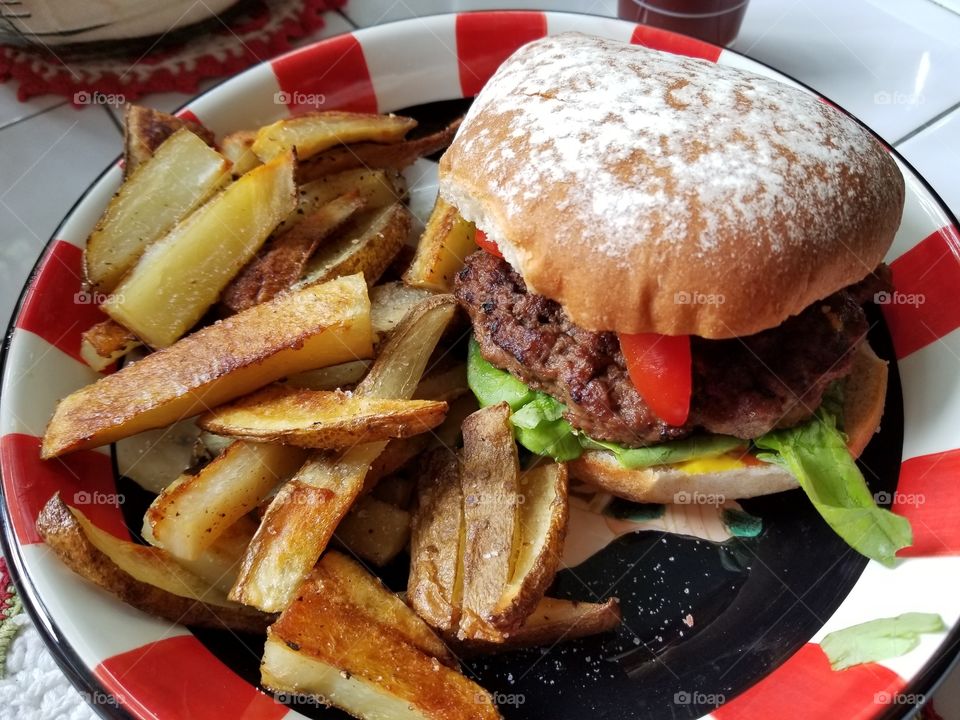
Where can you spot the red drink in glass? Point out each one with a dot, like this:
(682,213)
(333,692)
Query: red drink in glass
(716,21)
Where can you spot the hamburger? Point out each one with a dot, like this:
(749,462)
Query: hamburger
(674,257)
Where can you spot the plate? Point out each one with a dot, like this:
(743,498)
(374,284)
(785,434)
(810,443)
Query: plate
(727,628)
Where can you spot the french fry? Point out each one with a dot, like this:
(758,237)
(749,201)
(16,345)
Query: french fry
(181,275)
(435,585)
(332,377)
(367,245)
(554,621)
(146,577)
(489,476)
(301,519)
(148,205)
(326,645)
(194,510)
(145,130)
(314,132)
(377,189)
(280,264)
(237,147)
(390,303)
(373,155)
(444,245)
(374,530)
(105,343)
(321,419)
(321,325)
(543,527)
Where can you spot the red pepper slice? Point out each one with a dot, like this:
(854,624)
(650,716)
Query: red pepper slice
(489,245)
(660,368)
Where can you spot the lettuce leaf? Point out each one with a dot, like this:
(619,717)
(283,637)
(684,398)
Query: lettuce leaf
(540,427)
(816,454)
(879,639)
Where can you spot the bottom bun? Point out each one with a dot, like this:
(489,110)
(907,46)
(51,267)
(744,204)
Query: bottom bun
(865,391)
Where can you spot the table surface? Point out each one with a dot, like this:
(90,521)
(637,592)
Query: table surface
(892,63)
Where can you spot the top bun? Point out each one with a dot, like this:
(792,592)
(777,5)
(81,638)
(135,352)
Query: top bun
(647,192)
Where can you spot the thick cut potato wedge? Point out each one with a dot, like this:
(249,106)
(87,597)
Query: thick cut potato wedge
(321,325)
(390,303)
(445,243)
(554,621)
(220,562)
(146,129)
(181,275)
(194,510)
(301,519)
(435,585)
(374,155)
(147,578)
(328,646)
(344,580)
(280,264)
(367,245)
(314,132)
(543,527)
(237,147)
(374,530)
(164,190)
(377,189)
(105,343)
(322,419)
(489,475)
(332,377)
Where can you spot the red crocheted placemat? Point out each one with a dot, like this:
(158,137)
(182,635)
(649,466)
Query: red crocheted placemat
(258,32)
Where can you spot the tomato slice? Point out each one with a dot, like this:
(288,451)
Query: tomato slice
(660,367)
(488,245)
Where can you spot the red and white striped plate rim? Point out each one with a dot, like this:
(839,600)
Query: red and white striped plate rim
(156,670)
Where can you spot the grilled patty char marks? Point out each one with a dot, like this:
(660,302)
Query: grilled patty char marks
(742,386)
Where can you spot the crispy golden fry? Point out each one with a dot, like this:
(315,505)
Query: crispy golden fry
(321,419)
(312,133)
(374,530)
(237,147)
(373,155)
(332,377)
(320,325)
(147,578)
(554,621)
(445,243)
(194,510)
(390,303)
(376,188)
(145,129)
(219,563)
(489,475)
(435,585)
(543,527)
(106,342)
(328,645)
(154,458)
(164,190)
(302,517)
(280,264)
(181,275)
(368,245)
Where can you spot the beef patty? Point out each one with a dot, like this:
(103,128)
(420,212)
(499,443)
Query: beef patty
(741,386)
